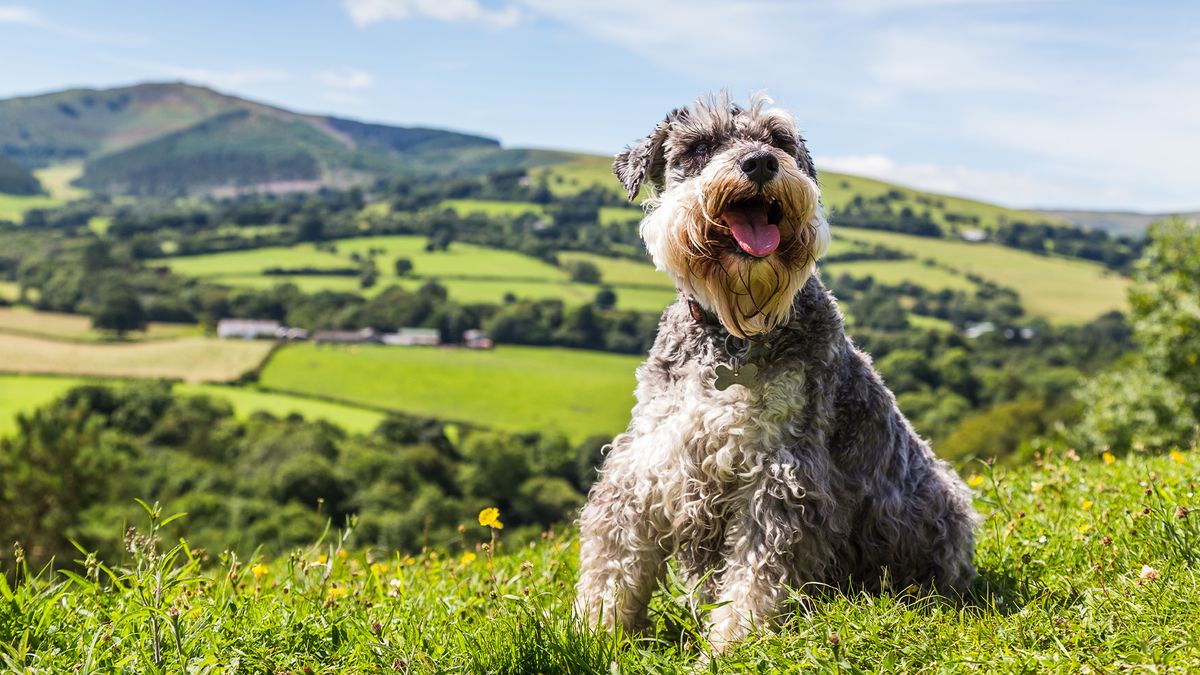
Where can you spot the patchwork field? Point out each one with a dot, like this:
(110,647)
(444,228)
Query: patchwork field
(24,393)
(1061,290)
(515,388)
(471,273)
(24,321)
(192,359)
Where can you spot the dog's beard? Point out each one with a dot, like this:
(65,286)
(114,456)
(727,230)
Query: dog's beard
(686,237)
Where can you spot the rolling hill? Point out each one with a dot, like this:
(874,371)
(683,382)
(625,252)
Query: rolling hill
(172,138)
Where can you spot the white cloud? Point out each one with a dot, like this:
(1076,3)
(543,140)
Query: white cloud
(345,78)
(26,16)
(367,12)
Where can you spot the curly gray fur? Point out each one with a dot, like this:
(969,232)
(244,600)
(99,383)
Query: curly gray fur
(809,475)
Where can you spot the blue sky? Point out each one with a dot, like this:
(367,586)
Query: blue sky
(1082,103)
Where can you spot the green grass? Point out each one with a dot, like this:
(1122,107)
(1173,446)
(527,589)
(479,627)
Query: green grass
(894,272)
(576,175)
(1084,567)
(621,271)
(461,260)
(192,359)
(612,215)
(1061,290)
(511,388)
(492,207)
(13,207)
(24,393)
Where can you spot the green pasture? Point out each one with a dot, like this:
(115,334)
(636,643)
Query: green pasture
(461,260)
(492,207)
(513,388)
(1062,290)
(893,272)
(13,207)
(24,393)
(615,215)
(578,174)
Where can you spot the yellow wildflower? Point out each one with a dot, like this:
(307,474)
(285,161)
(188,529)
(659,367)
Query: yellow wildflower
(467,558)
(1084,527)
(975,481)
(1178,457)
(336,592)
(342,553)
(260,570)
(322,558)
(1108,457)
(378,568)
(1085,504)
(490,517)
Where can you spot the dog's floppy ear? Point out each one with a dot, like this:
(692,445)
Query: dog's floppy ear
(645,160)
(804,159)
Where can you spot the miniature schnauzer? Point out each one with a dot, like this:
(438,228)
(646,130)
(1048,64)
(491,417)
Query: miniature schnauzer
(765,453)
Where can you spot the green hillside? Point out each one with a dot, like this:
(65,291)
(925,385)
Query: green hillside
(16,179)
(171,138)
(238,148)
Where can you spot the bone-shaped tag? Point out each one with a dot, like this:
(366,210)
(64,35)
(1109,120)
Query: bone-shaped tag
(744,376)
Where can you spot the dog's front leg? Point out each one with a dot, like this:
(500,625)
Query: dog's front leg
(752,587)
(621,559)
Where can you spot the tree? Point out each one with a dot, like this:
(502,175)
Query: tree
(118,309)
(404,267)
(584,272)
(606,298)
(311,228)
(1152,401)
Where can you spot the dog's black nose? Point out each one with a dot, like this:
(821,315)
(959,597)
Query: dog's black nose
(760,166)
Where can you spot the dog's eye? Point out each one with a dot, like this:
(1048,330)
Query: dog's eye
(699,149)
(783,141)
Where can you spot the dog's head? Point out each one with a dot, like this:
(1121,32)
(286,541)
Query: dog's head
(735,216)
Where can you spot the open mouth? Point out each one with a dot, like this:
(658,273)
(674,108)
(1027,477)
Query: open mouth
(754,225)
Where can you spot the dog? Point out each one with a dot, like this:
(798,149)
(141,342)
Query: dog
(764,451)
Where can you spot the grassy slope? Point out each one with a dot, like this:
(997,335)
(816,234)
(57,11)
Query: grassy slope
(1060,289)
(1052,597)
(24,393)
(515,388)
(194,359)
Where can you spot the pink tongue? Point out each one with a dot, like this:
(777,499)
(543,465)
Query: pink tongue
(749,227)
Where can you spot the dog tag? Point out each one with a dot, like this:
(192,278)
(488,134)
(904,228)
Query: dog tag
(727,377)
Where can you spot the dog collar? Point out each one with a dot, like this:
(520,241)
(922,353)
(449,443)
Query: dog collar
(699,314)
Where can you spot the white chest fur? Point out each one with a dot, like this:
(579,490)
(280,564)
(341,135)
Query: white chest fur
(692,450)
